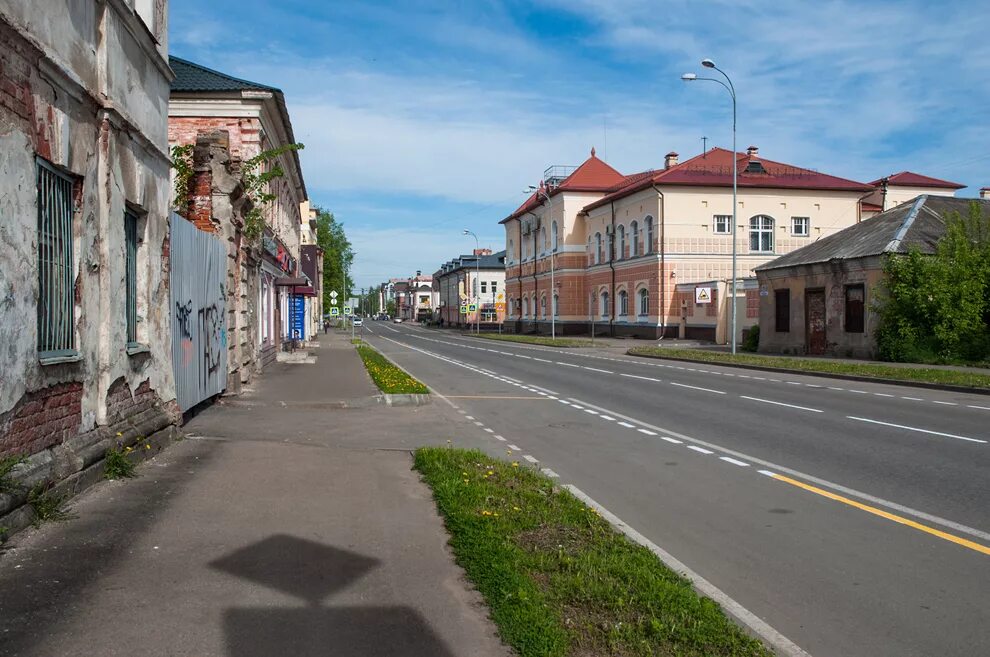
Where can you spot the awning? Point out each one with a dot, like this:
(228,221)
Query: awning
(291,281)
(304,291)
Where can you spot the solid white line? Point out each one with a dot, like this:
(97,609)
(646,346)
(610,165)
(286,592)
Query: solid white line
(982,408)
(901,426)
(672,440)
(700,449)
(644,378)
(595,369)
(777,403)
(684,385)
(780,643)
(514,448)
(729,459)
(550,473)
(530,458)
(647,432)
(627,425)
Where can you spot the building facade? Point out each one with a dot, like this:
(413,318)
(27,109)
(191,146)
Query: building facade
(240,120)
(477,279)
(84,242)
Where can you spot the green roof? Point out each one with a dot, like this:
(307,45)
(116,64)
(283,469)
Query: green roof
(194,77)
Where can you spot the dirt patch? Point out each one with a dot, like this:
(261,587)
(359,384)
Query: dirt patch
(557,538)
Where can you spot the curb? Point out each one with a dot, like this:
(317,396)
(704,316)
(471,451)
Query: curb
(21,516)
(406,400)
(828,375)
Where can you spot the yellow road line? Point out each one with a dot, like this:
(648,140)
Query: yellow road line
(885,514)
(494,397)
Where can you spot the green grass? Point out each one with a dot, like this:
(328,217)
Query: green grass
(7,465)
(874,370)
(559,581)
(357,341)
(390,379)
(116,465)
(48,506)
(535,339)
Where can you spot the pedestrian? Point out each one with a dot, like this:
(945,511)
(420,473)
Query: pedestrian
(326,326)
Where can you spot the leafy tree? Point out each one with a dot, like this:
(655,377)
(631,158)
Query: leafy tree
(937,308)
(337,256)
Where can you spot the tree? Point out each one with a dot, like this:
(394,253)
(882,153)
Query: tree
(937,307)
(337,256)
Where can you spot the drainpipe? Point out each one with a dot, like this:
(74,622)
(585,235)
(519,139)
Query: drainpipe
(663,272)
(611,265)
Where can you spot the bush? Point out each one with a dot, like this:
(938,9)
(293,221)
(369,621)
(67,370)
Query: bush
(752,340)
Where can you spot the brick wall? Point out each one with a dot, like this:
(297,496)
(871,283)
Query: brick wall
(41,419)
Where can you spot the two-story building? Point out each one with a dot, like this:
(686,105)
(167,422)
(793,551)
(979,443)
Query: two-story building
(476,280)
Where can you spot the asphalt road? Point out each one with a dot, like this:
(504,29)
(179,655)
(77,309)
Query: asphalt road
(854,518)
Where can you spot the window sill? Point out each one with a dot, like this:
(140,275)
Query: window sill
(59,357)
(135,348)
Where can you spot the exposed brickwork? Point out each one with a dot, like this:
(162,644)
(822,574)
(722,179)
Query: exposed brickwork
(41,419)
(16,63)
(752,304)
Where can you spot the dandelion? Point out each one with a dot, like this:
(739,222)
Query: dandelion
(515,464)
(119,434)
(467,481)
(495,514)
(516,508)
(486,513)
(147,446)
(490,473)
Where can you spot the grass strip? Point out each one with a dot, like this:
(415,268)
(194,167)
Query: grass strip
(390,379)
(535,339)
(559,581)
(825,366)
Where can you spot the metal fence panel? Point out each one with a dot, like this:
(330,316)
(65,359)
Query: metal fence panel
(199,313)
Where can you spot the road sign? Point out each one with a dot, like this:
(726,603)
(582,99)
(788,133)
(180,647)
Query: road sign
(333,295)
(702,295)
(464,310)
(334,311)
(500,307)
(347,310)
(501,296)
(472,307)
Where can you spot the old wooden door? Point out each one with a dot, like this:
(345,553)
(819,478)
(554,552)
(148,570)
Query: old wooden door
(814,321)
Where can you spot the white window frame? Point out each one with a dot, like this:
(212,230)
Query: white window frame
(761,228)
(644,302)
(726,224)
(598,248)
(553,236)
(794,226)
(556,305)
(634,244)
(648,246)
(623,304)
(603,305)
(622,242)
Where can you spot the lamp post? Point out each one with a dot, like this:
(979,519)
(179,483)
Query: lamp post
(477,282)
(553,289)
(691,77)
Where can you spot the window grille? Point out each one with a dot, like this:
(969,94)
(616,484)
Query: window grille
(56,311)
(131,245)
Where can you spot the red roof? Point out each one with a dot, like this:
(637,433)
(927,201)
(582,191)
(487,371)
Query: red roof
(871,207)
(714,169)
(911,179)
(594,175)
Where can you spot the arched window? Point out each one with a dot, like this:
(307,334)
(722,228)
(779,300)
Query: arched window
(608,246)
(623,303)
(761,234)
(525,307)
(543,306)
(648,247)
(511,308)
(622,243)
(598,248)
(604,309)
(644,302)
(634,251)
(556,306)
(553,236)
(543,240)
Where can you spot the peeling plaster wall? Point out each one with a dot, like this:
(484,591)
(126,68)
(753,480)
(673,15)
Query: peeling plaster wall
(85,88)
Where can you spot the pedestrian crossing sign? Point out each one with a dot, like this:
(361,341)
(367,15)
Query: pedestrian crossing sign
(464,310)
(334,311)
(472,307)
(347,310)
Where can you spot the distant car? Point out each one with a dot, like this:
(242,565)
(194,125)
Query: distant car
(397,320)
(358,321)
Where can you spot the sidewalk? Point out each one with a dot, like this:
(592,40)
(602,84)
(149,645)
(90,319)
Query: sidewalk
(278,529)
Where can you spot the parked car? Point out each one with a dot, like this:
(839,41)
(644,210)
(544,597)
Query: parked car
(397,320)
(358,321)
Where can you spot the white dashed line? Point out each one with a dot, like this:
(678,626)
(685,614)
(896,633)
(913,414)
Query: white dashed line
(945,403)
(729,459)
(913,398)
(981,408)
(684,385)
(468,417)
(644,378)
(557,362)
(672,440)
(702,450)
(514,448)
(577,408)
(530,458)
(841,389)
(498,437)
(882,394)
(627,425)
(767,473)
(489,430)
(595,369)
(588,410)
(859,392)
(480,424)
(901,426)
(607,418)
(543,360)
(647,432)
(777,403)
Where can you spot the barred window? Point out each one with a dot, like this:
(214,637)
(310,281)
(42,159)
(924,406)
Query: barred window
(56,311)
(130,281)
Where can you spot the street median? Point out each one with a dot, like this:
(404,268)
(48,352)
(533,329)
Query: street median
(398,387)
(541,340)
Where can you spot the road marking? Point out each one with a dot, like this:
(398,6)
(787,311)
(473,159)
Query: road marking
(595,369)
(834,388)
(644,378)
(777,403)
(480,424)
(542,360)
(468,417)
(983,549)
(489,430)
(859,392)
(546,390)
(557,362)
(577,408)
(608,418)
(564,401)
(729,459)
(928,431)
(588,410)
(530,458)
(780,643)
(982,408)
(684,385)
(524,356)
(672,440)
(627,425)
(793,383)
(913,398)
(767,473)
(498,437)
(550,473)
(945,403)
(510,378)
(462,412)
(530,398)
(700,449)
(514,448)
(647,432)
(882,394)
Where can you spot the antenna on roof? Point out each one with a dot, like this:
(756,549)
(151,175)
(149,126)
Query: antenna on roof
(704,146)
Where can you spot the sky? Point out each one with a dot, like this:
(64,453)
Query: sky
(422,119)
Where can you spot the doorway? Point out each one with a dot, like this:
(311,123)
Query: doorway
(814,322)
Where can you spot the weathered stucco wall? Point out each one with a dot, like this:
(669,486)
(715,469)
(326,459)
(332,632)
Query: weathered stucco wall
(57,103)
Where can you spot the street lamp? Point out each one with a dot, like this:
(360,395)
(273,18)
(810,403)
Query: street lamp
(477,282)
(553,289)
(691,77)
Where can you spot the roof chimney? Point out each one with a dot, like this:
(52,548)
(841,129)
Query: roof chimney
(753,151)
(670,160)
(985,192)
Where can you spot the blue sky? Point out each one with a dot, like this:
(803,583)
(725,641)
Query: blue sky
(421,119)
